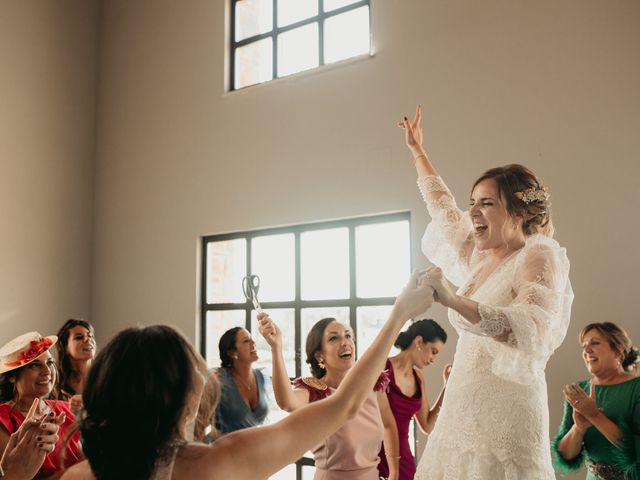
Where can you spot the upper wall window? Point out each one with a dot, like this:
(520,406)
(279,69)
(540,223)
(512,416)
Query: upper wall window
(275,38)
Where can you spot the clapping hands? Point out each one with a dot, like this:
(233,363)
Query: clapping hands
(584,407)
(29,445)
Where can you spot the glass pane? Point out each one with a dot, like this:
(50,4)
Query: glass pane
(287,473)
(253,17)
(273,260)
(217,323)
(333,4)
(308,472)
(254,63)
(309,317)
(298,50)
(370,320)
(346,35)
(291,11)
(383,260)
(226,265)
(324,264)
(285,319)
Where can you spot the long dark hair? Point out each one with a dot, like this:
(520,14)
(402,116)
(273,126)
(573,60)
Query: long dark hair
(134,399)
(7,387)
(62,389)
(428,329)
(314,345)
(227,344)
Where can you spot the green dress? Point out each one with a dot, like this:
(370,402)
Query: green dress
(621,404)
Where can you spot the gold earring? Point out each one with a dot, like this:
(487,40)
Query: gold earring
(322,365)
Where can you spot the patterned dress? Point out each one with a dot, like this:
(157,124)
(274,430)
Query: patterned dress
(494,420)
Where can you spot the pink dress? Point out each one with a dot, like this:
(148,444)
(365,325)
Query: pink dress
(351,453)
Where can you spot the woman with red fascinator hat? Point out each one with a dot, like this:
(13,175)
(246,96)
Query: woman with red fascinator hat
(27,373)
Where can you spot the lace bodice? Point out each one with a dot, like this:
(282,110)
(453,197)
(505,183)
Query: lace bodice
(494,420)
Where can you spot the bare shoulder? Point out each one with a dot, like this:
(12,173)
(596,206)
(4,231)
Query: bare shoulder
(80,471)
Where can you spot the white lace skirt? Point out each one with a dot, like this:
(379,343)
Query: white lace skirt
(489,429)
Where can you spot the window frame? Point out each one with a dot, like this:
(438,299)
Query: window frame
(275,31)
(297,304)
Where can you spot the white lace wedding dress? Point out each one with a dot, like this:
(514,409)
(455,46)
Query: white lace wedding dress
(494,421)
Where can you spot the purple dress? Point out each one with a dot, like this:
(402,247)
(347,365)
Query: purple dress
(403,408)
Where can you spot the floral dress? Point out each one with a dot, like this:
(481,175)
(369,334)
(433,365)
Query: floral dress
(494,420)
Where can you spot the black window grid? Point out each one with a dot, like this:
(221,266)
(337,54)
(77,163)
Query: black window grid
(353,302)
(275,31)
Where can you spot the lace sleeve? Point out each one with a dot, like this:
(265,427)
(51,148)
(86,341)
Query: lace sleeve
(447,241)
(534,324)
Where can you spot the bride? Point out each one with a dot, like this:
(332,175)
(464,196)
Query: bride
(511,312)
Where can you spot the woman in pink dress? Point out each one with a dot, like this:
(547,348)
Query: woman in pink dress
(351,452)
(420,344)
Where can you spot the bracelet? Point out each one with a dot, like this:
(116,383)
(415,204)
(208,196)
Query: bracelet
(392,457)
(415,159)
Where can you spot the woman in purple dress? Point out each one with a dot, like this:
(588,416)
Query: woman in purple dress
(420,344)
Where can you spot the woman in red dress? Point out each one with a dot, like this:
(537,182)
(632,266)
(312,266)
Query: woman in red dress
(28,372)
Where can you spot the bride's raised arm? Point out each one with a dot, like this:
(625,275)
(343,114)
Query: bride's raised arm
(447,242)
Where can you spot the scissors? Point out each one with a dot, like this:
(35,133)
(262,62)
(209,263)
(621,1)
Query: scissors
(250,287)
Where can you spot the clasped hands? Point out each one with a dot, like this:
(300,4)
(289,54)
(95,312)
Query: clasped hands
(35,438)
(585,408)
(443,291)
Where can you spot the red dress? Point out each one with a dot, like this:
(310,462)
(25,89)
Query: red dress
(403,408)
(11,419)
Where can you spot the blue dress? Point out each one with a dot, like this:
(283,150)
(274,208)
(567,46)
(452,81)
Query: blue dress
(233,413)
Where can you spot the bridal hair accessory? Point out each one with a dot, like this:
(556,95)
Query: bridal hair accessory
(533,194)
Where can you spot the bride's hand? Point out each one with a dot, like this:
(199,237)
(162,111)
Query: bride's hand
(413,132)
(443,290)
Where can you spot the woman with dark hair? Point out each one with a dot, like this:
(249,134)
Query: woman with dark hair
(602,428)
(352,451)
(511,312)
(76,349)
(28,375)
(420,344)
(243,400)
(145,385)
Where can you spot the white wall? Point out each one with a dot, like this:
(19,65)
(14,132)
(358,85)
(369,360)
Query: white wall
(549,84)
(47,123)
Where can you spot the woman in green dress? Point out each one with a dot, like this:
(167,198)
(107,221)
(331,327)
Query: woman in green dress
(601,424)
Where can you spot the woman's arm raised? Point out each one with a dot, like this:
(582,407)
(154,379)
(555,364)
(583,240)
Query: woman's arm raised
(259,452)
(287,398)
(413,139)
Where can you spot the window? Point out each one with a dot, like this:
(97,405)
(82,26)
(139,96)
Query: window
(348,269)
(275,38)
